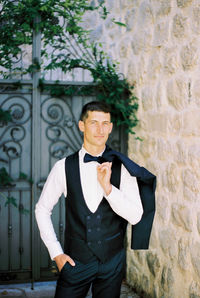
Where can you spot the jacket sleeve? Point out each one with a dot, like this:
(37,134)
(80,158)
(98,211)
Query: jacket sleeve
(141,231)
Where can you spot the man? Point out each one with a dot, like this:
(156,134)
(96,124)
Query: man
(101,197)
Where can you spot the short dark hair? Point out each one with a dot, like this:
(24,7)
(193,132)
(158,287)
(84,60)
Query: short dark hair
(94,106)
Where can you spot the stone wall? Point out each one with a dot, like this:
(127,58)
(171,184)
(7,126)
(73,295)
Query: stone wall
(159,51)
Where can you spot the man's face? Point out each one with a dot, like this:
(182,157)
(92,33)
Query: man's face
(96,128)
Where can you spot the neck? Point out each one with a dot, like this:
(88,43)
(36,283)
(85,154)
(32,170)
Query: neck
(93,150)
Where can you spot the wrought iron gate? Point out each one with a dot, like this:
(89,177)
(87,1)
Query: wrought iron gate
(43,130)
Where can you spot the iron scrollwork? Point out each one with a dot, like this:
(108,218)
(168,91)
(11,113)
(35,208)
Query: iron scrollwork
(61,127)
(14,133)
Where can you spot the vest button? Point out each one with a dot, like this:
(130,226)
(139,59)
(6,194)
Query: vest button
(89,243)
(88,217)
(89,230)
(98,216)
(98,229)
(99,242)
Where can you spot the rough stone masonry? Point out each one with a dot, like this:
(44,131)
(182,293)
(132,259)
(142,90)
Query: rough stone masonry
(159,51)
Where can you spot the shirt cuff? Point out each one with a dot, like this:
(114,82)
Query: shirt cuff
(55,250)
(112,194)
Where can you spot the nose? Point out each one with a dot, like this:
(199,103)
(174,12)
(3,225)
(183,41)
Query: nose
(100,129)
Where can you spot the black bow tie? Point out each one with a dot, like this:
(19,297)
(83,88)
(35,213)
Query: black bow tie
(88,158)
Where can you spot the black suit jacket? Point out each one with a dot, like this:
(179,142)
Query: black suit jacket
(147,184)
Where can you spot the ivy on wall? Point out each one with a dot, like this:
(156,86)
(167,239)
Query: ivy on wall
(66,46)
(7,181)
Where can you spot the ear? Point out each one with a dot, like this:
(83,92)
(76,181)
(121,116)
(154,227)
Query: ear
(81,126)
(111,127)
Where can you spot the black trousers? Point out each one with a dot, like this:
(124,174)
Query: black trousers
(106,279)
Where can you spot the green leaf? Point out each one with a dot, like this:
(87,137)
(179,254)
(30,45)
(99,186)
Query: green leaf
(5,178)
(22,176)
(12,201)
(24,211)
(119,23)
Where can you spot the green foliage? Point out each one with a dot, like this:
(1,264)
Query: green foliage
(7,181)
(66,46)
(5,116)
(12,201)
(23,176)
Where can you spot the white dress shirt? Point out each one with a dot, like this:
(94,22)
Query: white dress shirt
(124,201)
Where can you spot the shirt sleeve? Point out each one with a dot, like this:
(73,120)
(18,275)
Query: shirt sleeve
(54,187)
(126,201)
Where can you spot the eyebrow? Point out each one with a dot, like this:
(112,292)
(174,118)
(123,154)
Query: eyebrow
(107,121)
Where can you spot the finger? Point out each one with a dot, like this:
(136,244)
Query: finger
(105,164)
(71,261)
(103,169)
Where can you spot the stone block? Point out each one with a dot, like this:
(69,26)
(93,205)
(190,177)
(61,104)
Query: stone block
(196,92)
(191,123)
(167,279)
(157,122)
(142,70)
(147,98)
(154,66)
(183,254)
(164,149)
(194,290)
(195,256)
(198,222)
(182,216)
(132,72)
(189,57)
(112,5)
(109,24)
(90,21)
(145,16)
(139,254)
(182,152)
(183,3)
(133,276)
(177,93)
(168,242)
(163,208)
(189,195)
(147,147)
(171,62)
(153,263)
(141,41)
(179,26)
(96,34)
(154,241)
(161,34)
(124,48)
(195,20)
(133,261)
(128,3)
(164,7)
(172,177)
(176,126)
(131,19)
(145,285)
(194,156)
(191,181)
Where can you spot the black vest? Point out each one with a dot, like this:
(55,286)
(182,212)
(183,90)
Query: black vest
(91,235)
